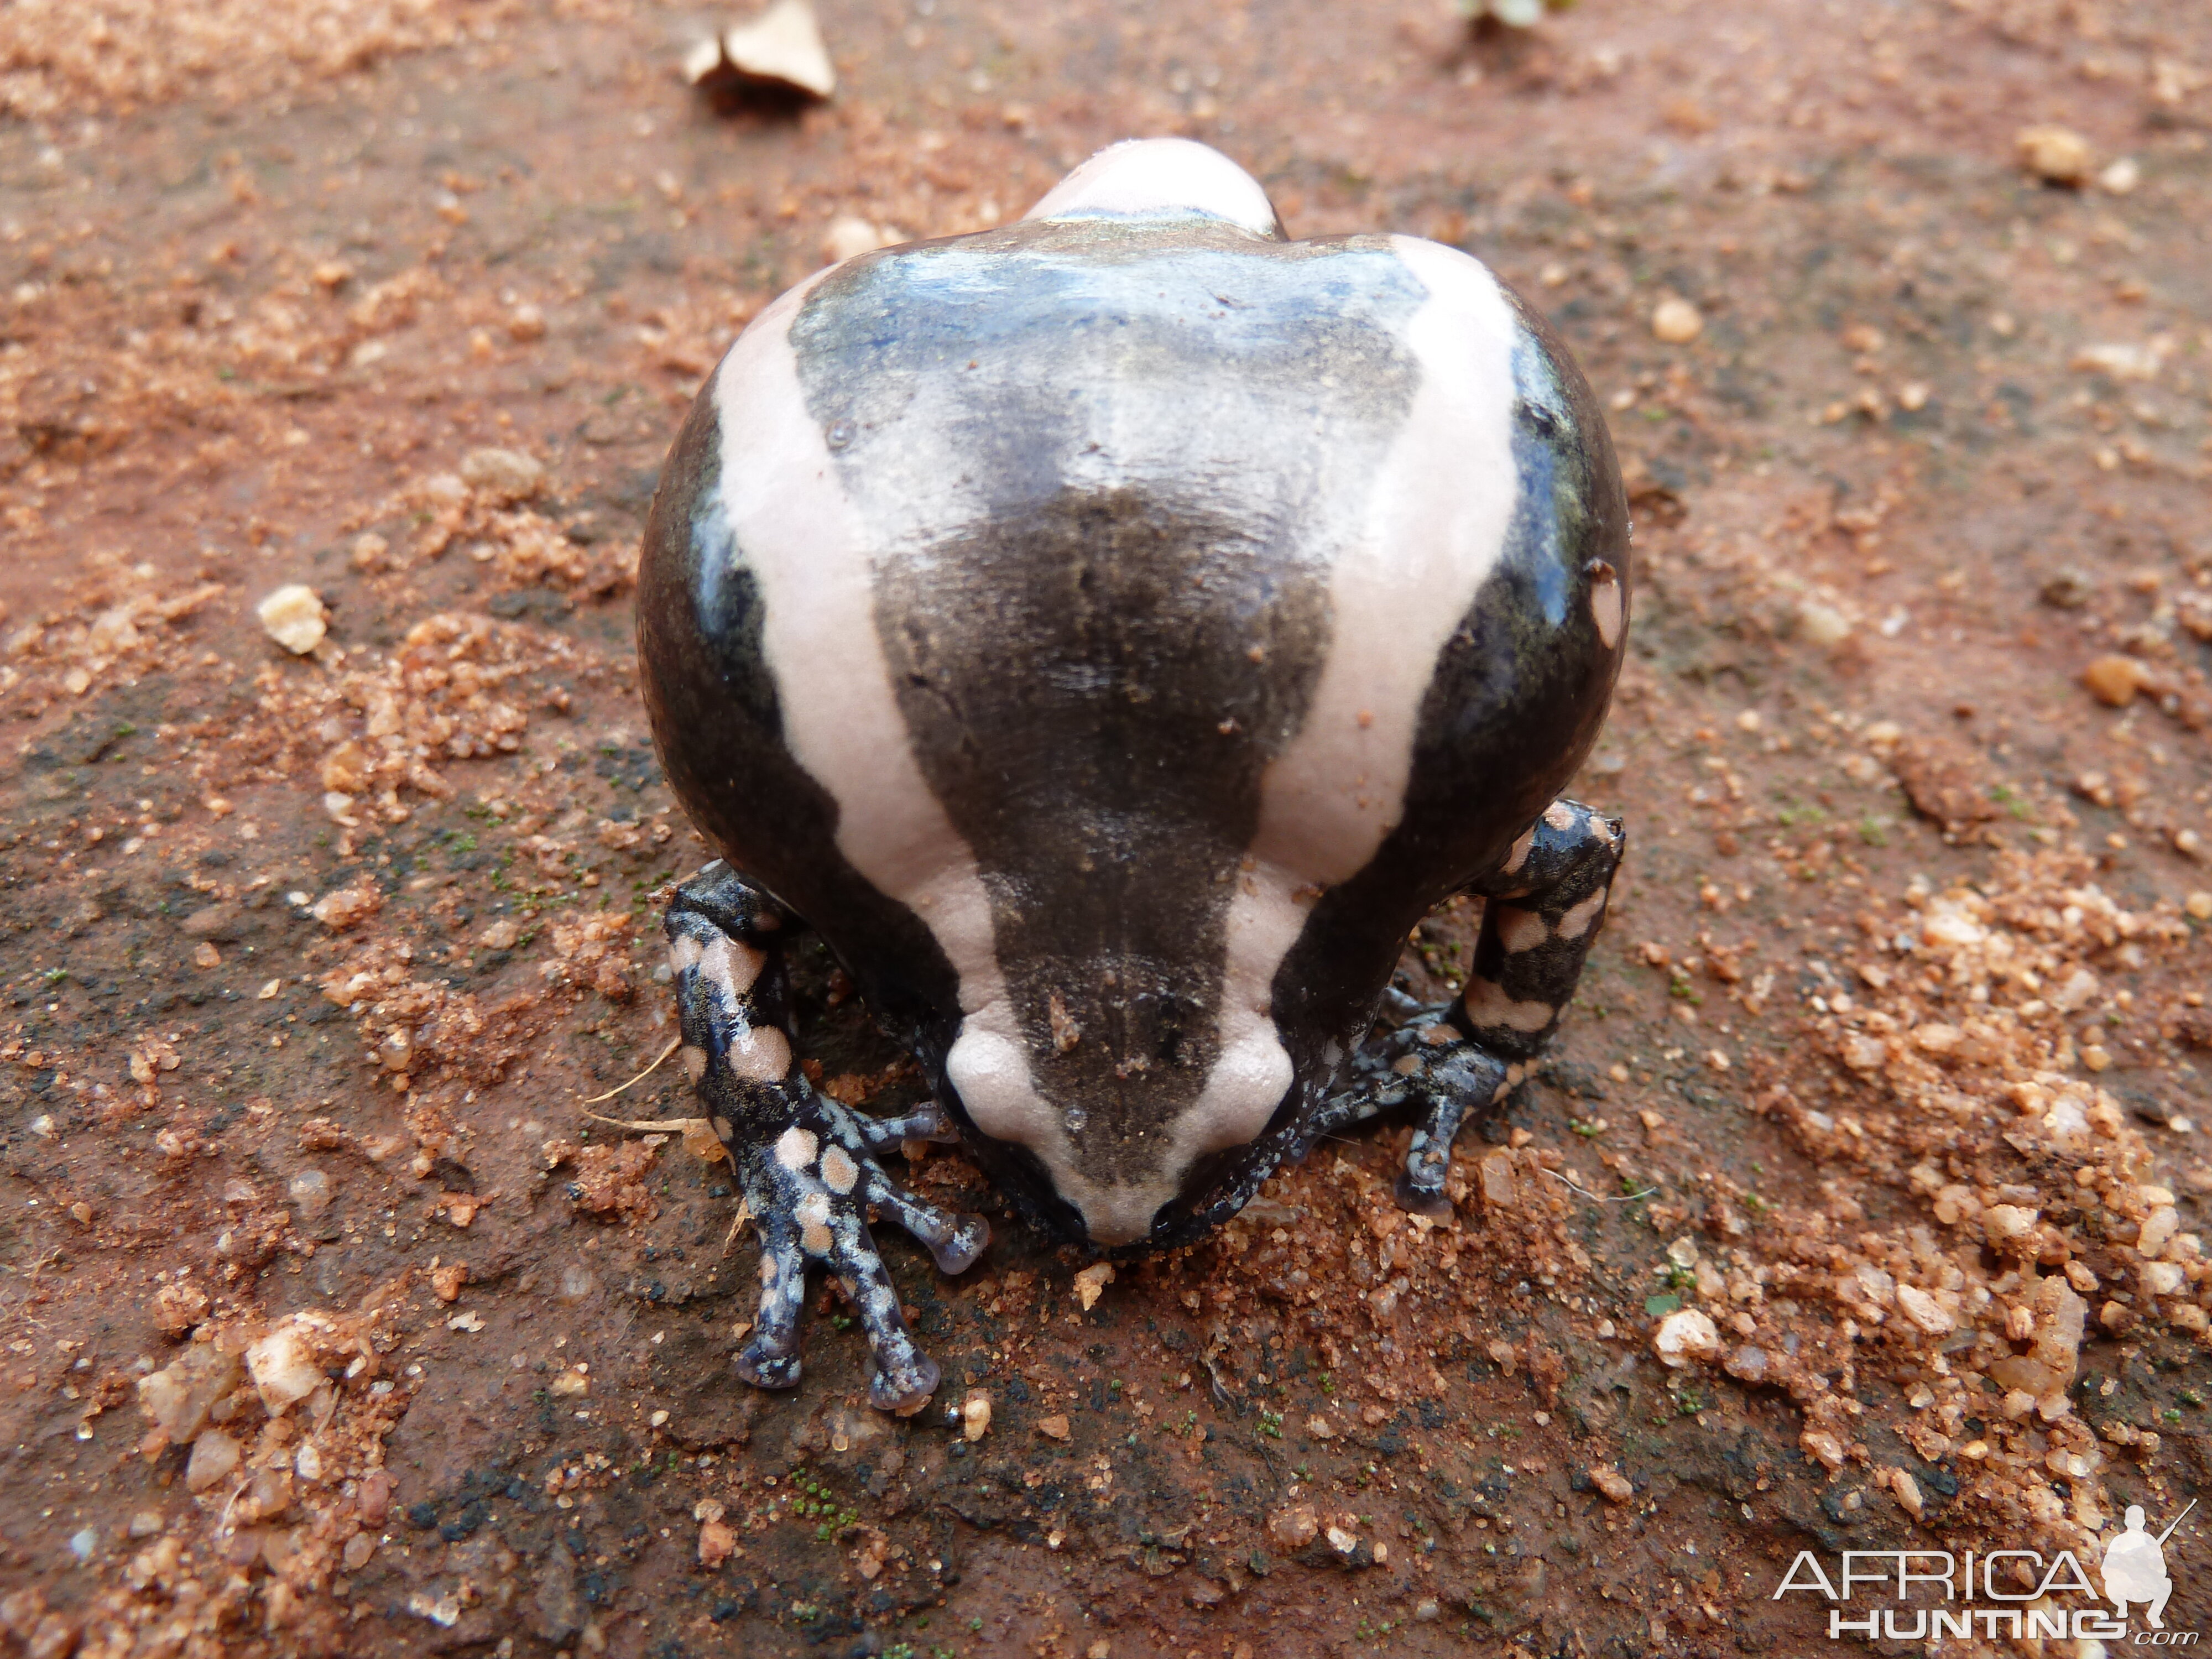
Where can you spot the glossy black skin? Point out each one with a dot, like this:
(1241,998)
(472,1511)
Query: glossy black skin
(1518,696)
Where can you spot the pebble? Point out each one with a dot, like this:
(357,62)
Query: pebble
(1748,1364)
(375,1498)
(1294,1527)
(1500,1190)
(177,1398)
(2121,177)
(718,1540)
(178,1308)
(310,1192)
(1676,322)
(2057,156)
(508,475)
(283,1367)
(2198,905)
(2068,590)
(1907,1491)
(2123,360)
(1053,1428)
(976,1416)
(1611,1482)
(850,236)
(268,1495)
(293,616)
(341,909)
(1684,1335)
(2114,680)
(1823,624)
(1924,1310)
(215,1457)
(1090,1284)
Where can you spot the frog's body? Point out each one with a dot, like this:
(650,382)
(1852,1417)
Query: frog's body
(1112,634)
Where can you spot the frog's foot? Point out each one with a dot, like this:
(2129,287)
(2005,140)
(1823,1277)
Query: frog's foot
(810,1191)
(805,1163)
(1546,902)
(1431,1066)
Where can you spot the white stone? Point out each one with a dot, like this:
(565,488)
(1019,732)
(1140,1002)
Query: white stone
(2160,1225)
(215,1457)
(283,1365)
(1924,1310)
(293,616)
(1684,1335)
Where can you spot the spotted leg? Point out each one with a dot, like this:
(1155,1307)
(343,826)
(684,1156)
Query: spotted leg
(805,1163)
(1546,902)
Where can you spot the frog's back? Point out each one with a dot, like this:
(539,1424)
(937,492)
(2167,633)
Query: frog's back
(1114,629)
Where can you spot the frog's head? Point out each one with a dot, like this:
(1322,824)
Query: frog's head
(1127,1085)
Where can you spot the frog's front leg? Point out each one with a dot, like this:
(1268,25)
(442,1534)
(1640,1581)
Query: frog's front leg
(805,1163)
(1545,903)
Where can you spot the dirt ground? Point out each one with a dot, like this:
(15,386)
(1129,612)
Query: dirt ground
(1857,1209)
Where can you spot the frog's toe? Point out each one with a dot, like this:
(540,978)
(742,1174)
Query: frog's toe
(955,1240)
(905,1376)
(927,1121)
(770,1359)
(1420,1197)
(762,1365)
(904,1388)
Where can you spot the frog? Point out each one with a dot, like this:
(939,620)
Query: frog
(1111,634)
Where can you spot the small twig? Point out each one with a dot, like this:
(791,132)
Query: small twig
(674,1043)
(1597,1198)
(651,1126)
(699,1137)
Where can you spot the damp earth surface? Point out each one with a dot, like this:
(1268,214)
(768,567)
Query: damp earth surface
(343,1309)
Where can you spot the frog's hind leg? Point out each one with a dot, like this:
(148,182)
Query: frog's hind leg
(1546,902)
(805,1163)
